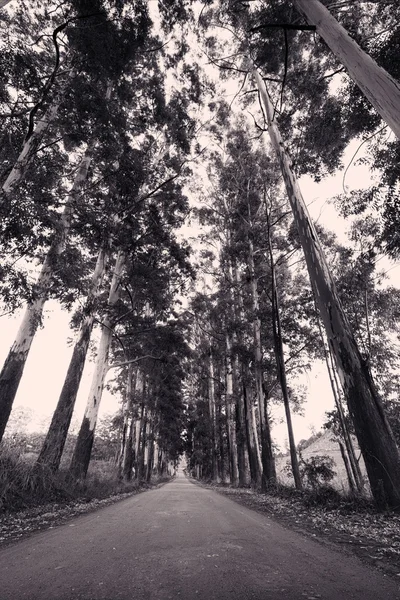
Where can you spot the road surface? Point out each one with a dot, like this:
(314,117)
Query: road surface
(183,542)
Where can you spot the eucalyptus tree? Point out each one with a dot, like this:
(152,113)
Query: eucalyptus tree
(376,440)
(147,236)
(134,33)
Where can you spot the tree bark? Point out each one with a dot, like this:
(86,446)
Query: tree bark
(268,462)
(240,425)
(3,3)
(280,364)
(251,435)
(357,474)
(375,437)
(83,449)
(53,445)
(230,414)
(381,89)
(125,440)
(29,149)
(131,448)
(213,416)
(14,365)
(349,473)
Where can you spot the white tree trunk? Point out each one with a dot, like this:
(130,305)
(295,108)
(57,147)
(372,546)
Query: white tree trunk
(268,462)
(81,457)
(375,437)
(28,150)
(13,368)
(213,416)
(53,445)
(3,3)
(376,84)
(230,413)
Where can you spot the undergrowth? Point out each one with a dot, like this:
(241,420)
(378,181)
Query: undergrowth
(324,496)
(24,484)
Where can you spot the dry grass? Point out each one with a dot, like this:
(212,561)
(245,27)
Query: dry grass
(25,484)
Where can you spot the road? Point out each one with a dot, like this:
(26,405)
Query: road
(182,541)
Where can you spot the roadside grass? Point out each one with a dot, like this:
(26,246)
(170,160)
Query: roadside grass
(24,484)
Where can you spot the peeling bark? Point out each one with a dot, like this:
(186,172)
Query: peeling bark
(375,437)
(381,89)
(82,452)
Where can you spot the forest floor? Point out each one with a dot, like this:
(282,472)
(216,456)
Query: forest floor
(18,525)
(372,536)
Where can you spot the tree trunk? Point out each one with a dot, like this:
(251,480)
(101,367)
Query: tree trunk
(230,414)
(29,149)
(127,425)
(280,365)
(81,457)
(240,425)
(375,437)
(268,462)
(358,476)
(14,365)
(140,429)
(53,445)
(251,436)
(131,448)
(221,446)
(376,84)
(3,3)
(213,416)
(350,478)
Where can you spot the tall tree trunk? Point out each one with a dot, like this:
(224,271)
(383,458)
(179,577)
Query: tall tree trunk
(267,457)
(150,448)
(230,414)
(240,425)
(83,449)
(213,416)
(220,445)
(245,435)
(127,419)
(375,437)
(131,447)
(14,365)
(53,445)
(376,84)
(349,473)
(280,364)
(251,435)
(140,429)
(355,466)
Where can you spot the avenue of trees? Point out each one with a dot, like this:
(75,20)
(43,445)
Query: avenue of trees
(116,129)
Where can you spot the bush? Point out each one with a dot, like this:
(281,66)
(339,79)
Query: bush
(317,470)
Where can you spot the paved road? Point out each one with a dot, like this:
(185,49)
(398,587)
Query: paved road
(183,542)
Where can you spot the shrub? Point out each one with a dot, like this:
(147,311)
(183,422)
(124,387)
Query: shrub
(317,470)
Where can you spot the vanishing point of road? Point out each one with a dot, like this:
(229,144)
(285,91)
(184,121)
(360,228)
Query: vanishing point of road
(182,542)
